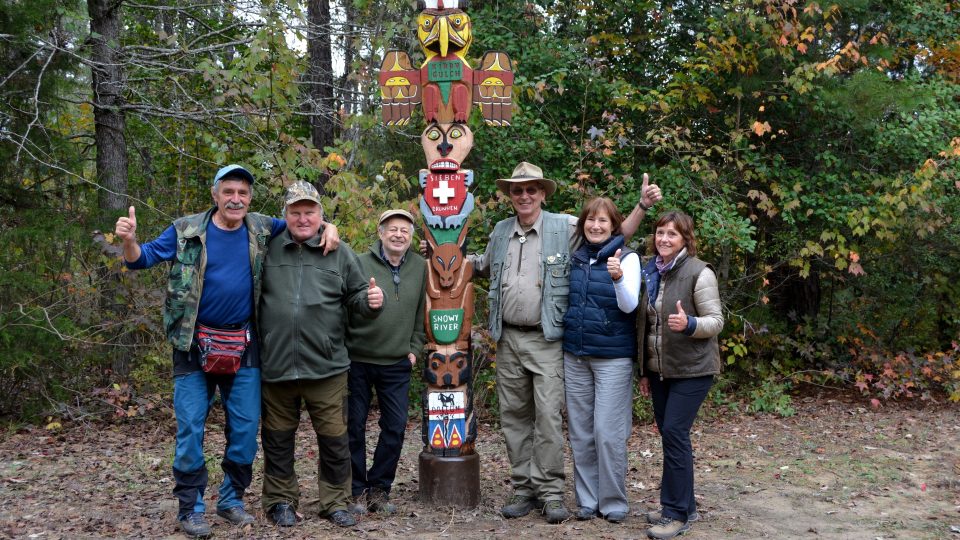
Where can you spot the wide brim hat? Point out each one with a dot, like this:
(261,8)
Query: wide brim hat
(527,172)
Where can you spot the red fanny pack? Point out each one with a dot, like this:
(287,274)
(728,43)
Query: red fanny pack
(221,350)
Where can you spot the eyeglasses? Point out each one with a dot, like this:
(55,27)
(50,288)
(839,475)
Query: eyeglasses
(531,190)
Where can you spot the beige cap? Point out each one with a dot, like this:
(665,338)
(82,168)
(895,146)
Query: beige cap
(527,172)
(395,212)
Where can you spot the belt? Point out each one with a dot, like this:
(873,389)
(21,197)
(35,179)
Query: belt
(237,326)
(524,328)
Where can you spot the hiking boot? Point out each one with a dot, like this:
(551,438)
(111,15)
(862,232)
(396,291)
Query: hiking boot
(282,514)
(655,517)
(518,506)
(342,518)
(380,502)
(555,512)
(616,517)
(357,505)
(584,513)
(237,516)
(667,528)
(195,525)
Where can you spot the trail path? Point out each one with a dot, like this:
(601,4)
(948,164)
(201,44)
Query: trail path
(835,470)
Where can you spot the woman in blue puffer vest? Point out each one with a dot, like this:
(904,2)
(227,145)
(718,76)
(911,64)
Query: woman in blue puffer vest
(600,344)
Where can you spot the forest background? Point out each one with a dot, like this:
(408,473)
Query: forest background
(816,144)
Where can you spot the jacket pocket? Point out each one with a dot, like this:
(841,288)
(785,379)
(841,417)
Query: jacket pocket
(321,287)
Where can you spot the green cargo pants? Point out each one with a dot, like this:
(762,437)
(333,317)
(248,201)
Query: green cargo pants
(325,401)
(530,390)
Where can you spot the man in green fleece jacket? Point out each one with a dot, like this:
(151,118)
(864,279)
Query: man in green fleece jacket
(382,353)
(303,311)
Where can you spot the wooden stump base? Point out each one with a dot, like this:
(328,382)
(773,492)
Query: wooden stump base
(450,481)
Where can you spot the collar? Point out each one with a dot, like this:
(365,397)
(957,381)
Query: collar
(664,268)
(312,242)
(378,249)
(600,252)
(537,226)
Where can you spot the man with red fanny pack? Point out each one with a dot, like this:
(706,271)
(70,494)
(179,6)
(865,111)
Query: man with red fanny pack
(217,258)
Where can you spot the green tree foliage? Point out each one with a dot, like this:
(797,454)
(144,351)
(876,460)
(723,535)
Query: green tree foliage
(816,144)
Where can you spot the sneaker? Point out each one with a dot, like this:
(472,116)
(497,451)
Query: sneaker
(342,518)
(655,516)
(616,517)
(380,502)
(667,528)
(584,513)
(282,514)
(237,515)
(518,506)
(555,512)
(195,525)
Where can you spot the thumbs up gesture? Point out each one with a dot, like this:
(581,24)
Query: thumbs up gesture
(678,321)
(649,193)
(613,266)
(374,295)
(126,227)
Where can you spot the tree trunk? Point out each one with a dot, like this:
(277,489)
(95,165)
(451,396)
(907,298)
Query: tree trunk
(320,78)
(107,100)
(109,126)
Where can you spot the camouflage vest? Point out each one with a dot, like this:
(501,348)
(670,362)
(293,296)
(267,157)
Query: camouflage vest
(185,283)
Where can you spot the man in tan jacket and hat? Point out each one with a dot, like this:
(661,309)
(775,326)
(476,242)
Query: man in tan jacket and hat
(528,263)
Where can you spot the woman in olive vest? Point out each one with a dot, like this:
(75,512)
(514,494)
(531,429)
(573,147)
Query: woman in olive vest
(599,348)
(678,321)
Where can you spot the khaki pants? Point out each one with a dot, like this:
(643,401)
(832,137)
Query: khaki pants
(325,401)
(530,389)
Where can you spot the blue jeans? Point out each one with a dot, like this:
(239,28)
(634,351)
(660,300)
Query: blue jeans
(193,395)
(392,384)
(675,406)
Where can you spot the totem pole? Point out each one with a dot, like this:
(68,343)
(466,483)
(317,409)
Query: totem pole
(447,87)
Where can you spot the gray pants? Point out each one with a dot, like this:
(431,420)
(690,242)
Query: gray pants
(530,389)
(599,407)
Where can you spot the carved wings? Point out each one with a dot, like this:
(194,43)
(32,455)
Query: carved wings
(492,88)
(399,88)
(403,88)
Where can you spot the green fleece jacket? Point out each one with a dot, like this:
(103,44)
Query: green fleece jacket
(303,308)
(399,329)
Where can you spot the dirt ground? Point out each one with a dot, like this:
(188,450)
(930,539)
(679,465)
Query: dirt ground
(838,469)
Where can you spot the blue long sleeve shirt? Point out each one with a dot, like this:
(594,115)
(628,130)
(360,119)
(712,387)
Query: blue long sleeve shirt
(227,297)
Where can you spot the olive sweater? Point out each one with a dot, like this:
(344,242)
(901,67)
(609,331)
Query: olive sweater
(399,329)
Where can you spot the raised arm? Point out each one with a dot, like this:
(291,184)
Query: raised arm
(126,229)
(649,196)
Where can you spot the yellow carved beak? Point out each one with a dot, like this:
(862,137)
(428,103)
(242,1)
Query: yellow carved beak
(444,35)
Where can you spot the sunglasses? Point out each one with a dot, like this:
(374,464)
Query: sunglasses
(531,190)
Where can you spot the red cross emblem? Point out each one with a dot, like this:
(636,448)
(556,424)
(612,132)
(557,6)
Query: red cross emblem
(445,193)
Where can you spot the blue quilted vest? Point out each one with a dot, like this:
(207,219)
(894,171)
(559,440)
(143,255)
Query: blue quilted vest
(594,325)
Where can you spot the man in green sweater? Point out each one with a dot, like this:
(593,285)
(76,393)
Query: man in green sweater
(303,358)
(383,352)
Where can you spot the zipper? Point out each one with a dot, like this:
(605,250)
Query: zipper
(296,313)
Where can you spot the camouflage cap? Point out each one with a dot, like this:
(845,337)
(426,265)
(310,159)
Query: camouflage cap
(301,191)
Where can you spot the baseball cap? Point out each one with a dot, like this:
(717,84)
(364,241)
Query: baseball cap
(301,191)
(396,212)
(233,170)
